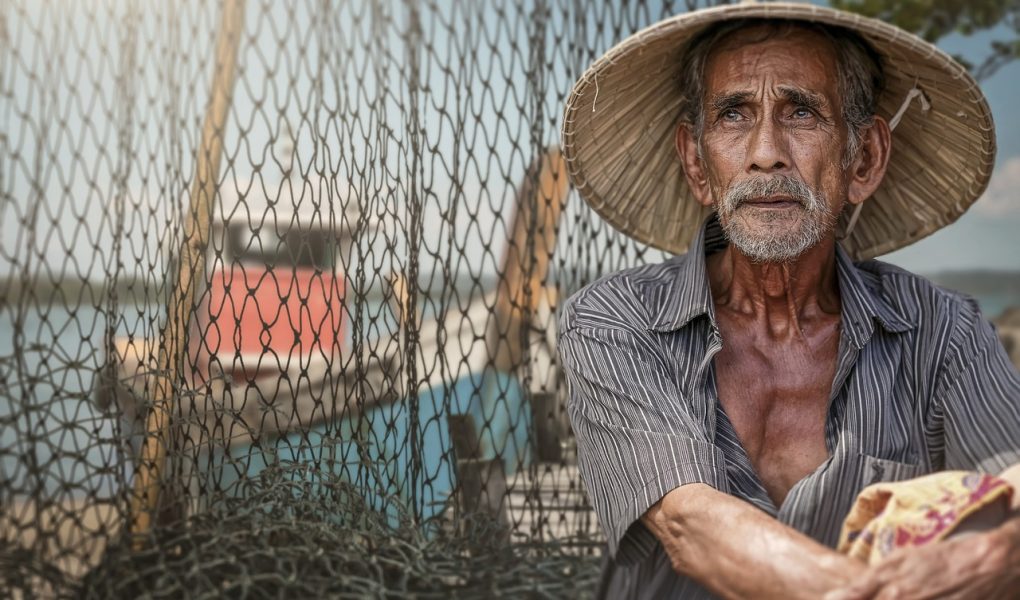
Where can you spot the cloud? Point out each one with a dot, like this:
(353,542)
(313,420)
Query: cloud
(1002,198)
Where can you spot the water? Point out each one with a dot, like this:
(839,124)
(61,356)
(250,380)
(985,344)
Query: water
(53,439)
(993,304)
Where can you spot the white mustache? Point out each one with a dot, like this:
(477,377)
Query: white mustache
(765,187)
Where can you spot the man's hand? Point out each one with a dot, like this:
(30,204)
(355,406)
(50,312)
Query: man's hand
(983,565)
(1012,477)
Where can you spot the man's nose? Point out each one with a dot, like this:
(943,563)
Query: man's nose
(767,148)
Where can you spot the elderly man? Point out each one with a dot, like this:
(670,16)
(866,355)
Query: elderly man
(731,403)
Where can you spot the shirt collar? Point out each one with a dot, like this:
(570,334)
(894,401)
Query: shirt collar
(863,302)
(688,294)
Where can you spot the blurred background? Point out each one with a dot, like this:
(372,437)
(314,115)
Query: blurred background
(265,266)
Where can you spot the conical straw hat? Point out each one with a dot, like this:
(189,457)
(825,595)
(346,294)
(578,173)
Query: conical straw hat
(622,113)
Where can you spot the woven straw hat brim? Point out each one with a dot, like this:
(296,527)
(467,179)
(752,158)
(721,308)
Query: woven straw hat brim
(621,116)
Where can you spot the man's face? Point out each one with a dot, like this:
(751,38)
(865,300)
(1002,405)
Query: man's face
(774,141)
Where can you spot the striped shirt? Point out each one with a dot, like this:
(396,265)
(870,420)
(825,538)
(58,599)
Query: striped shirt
(922,384)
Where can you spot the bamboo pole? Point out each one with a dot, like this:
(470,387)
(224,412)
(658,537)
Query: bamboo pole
(148,476)
(401,300)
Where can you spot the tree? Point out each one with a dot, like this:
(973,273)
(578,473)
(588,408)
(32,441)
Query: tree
(934,19)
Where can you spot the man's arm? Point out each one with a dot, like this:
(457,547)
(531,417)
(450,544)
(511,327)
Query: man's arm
(977,397)
(738,551)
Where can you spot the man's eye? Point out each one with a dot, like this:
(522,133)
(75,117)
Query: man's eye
(802,113)
(730,114)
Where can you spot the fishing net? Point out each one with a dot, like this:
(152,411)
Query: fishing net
(278,296)
(296,534)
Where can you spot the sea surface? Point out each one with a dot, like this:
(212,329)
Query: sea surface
(993,305)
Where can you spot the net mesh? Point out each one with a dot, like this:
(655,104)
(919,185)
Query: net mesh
(279,296)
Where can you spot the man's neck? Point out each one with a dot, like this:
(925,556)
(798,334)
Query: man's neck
(783,297)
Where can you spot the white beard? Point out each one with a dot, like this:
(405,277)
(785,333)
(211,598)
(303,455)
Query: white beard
(774,235)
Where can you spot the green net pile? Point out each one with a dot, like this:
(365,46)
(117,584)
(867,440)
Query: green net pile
(296,534)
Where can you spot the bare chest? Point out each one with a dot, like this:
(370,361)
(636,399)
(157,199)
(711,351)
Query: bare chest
(776,395)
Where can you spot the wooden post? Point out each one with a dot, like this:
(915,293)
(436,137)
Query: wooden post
(481,483)
(545,416)
(526,261)
(148,476)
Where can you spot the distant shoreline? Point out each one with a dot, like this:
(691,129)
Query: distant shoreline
(74,292)
(979,281)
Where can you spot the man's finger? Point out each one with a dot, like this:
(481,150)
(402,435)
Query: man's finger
(870,584)
(843,594)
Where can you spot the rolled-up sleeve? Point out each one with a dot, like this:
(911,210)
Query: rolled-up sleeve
(636,436)
(979,396)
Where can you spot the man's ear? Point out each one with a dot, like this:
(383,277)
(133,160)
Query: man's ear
(694,167)
(869,167)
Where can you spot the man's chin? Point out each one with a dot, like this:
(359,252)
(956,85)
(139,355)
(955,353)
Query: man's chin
(761,217)
(790,227)
(771,244)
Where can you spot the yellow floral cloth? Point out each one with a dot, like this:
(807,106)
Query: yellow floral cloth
(889,516)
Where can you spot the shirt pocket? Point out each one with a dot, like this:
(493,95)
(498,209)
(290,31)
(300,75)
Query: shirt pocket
(883,470)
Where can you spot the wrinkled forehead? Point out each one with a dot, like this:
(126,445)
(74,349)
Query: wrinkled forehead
(798,49)
(756,31)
